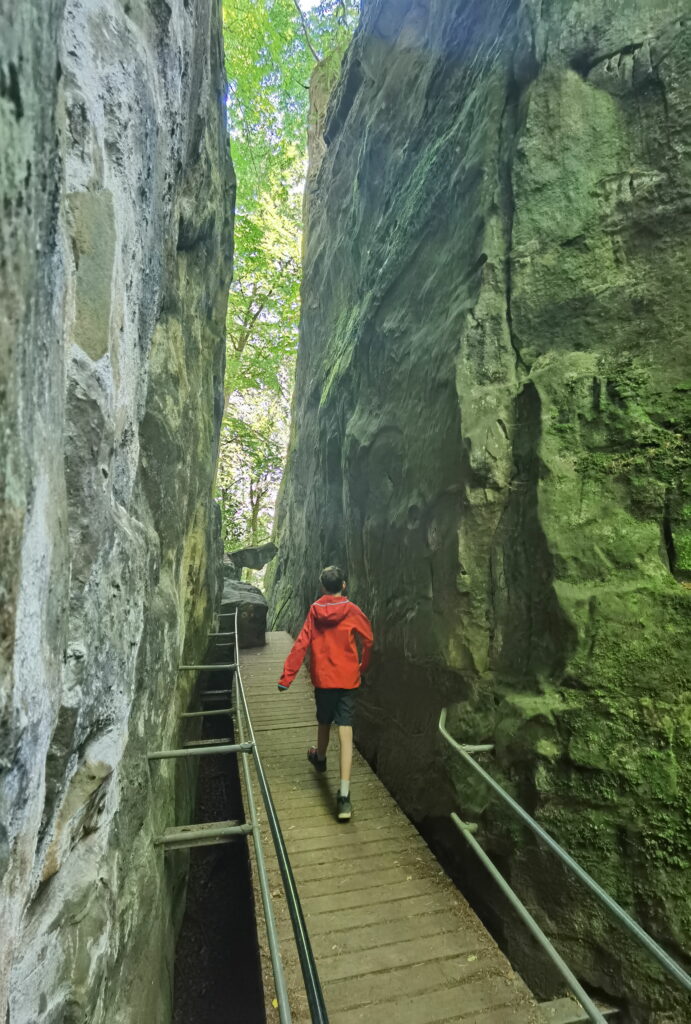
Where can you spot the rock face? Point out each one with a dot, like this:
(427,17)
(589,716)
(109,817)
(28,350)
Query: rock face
(491,433)
(114,270)
(247,558)
(252,612)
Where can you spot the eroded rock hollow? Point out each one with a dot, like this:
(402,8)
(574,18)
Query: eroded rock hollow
(491,431)
(116,245)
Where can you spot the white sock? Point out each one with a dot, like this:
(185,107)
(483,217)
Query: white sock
(345,788)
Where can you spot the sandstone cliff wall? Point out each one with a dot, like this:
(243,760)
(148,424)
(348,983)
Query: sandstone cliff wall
(491,431)
(114,271)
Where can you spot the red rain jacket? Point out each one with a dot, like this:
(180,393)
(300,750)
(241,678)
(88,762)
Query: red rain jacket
(329,630)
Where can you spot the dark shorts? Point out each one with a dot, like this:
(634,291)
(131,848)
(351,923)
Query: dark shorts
(337,706)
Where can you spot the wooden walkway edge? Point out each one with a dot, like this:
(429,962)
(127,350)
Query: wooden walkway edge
(393,938)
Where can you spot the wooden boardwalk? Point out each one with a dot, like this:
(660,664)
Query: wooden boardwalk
(393,938)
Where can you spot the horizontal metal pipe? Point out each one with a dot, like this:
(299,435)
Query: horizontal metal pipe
(222,634)
(203,714)
(217,741)
(223,748)
(615,909)
(206,668)
(203,833)
(535,929)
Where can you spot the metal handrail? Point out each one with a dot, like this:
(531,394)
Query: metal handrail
(466,829)
(670,965)
(313,990)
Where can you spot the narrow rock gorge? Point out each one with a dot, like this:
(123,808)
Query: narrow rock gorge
(491,432)
(116,242)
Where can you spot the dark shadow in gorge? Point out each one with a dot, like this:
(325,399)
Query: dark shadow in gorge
(217,968)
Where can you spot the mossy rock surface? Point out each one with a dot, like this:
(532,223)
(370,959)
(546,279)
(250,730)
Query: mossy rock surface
(492,435)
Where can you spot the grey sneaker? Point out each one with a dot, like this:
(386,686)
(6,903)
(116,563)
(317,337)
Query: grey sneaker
(344,808)
(314,760)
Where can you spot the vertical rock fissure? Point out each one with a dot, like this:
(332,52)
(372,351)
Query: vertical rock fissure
(508,135)
(667,533)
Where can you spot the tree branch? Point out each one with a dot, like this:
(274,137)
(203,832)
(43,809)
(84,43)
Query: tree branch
(306,32)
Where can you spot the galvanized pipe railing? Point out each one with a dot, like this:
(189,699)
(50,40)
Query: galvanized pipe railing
(663,958)
(466,829)
(313,990)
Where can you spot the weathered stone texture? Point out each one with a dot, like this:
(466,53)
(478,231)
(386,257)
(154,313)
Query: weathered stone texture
(247,558)
(252,610)
(491,431)
(116,242)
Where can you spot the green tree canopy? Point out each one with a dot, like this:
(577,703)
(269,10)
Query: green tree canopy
(272,47)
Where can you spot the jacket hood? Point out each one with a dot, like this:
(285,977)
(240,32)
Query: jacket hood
(330,610)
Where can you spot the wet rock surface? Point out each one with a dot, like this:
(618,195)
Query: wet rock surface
(116,243)
(492,435)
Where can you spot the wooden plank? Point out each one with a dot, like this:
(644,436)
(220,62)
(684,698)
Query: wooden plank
(429,977)
(334,918)
(376,902)
(528,1014)
(391,934)
(569,1011)
(362,887)
(324,828)
(395,954)
(372,937)
(384,850)
(460,1002)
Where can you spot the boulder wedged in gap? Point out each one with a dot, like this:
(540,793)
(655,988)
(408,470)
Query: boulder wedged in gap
(247,558)
(252,610)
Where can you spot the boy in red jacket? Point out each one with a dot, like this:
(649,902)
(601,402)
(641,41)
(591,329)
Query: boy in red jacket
(329,630)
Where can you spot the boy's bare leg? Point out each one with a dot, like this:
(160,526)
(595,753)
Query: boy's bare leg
(345,738)
(323,733)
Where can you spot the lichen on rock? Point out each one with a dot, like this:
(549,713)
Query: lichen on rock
(492,433)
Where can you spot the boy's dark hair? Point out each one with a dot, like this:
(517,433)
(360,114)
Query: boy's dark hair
(332,579)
